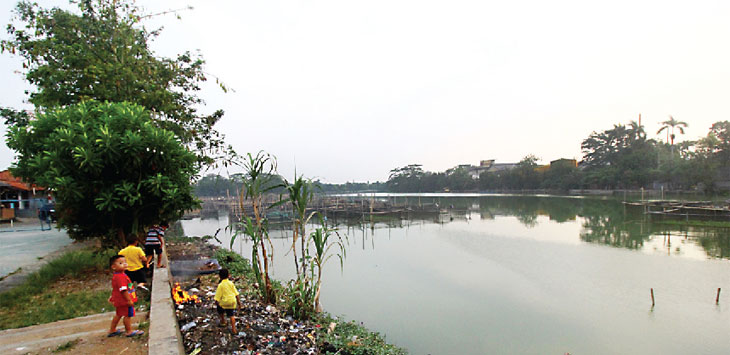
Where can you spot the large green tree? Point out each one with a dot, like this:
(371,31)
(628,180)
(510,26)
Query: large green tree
(620,157)
(102,52)
(112,169)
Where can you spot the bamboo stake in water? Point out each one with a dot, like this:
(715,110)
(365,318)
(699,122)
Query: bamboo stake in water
(652,297)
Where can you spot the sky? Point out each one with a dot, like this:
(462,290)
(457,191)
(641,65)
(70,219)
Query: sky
(348,90)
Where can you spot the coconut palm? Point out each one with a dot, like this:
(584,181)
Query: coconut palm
(671,123)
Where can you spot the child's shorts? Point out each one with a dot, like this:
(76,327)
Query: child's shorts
(229,312)
(126,311)
(153,249)
(136,276)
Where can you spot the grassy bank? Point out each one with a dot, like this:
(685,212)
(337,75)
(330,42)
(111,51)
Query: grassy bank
(73,285)
(347,337)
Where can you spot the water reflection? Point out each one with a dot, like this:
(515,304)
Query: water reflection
(602,221)
(522,274)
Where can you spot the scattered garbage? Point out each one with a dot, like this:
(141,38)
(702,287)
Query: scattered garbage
(187,327)
(261,328)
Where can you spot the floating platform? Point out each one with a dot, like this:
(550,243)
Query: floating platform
(705,210)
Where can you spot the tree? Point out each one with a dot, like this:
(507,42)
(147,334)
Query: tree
(102,53)
(670,125)
(406,179)
(526,175)
(111,169)
(215,185)
(720,136)
(619,157)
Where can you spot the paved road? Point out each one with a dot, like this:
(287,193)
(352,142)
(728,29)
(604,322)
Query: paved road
(23,247)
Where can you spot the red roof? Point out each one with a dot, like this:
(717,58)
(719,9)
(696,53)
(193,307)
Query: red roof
(16,183)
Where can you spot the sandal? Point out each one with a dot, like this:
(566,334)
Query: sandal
(135,333)
(114,333)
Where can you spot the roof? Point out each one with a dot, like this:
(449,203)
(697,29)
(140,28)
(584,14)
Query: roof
(7,179)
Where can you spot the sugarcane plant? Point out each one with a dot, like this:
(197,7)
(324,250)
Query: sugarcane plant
(306,289)
(257,181)
(299,194)
(323,239)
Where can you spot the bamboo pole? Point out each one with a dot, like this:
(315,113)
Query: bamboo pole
(652,297)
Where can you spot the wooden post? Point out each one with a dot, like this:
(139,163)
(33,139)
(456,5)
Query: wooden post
(717,299)
(652,297)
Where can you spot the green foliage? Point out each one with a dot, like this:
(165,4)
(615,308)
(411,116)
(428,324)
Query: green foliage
(235,263)
(620,157)
(352,338)
(112,170)
(74,264)
(670,125)
(299,194)
(33,303)
(101,52)
(216,185)
(257,181)
(304,292)
(407,178)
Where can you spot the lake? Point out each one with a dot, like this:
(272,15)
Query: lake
(524,275)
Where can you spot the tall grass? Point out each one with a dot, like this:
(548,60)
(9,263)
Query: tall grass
(32,302)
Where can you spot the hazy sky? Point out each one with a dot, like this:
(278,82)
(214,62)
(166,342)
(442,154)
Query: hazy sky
(348,90)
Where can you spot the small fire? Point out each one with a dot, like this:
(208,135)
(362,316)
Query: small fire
(180,296)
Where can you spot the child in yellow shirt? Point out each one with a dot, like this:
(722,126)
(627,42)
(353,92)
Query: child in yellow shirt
(226,299)
(136,261)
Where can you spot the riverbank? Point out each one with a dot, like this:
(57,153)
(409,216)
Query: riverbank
(268,329)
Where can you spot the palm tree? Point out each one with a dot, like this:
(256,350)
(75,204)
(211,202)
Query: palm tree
(672,123)
(636,130)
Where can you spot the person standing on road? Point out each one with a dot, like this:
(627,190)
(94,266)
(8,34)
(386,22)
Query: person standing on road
(43,217)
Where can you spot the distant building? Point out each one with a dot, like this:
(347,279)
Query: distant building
(19,196)
(484,166)
(564,162)
(499,167)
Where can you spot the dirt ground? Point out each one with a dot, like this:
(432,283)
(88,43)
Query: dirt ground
(100,344)
(91,281)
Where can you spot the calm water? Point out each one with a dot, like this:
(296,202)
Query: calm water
(526,275)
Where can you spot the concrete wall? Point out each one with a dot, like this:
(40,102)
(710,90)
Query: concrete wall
(164,337)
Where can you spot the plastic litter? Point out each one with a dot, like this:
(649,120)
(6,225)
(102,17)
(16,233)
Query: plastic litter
(187,327)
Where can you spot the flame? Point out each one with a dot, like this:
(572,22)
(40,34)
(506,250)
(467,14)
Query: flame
(180,296)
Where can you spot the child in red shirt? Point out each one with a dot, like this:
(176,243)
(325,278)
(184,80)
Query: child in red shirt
(123,297)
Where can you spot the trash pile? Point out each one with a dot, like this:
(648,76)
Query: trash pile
(262,329)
